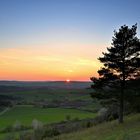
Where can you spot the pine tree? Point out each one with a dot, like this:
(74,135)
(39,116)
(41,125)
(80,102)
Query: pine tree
(121,63)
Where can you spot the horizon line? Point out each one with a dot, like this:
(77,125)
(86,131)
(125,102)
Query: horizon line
(43,81)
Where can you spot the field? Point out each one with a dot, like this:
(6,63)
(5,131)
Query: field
(50,94)
(56,94)
(34,91)
(47,102)
(26,114)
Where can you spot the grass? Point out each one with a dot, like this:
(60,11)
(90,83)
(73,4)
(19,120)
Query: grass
(130,130)
(25,114)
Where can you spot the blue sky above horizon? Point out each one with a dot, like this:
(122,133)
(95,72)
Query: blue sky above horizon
(75,30)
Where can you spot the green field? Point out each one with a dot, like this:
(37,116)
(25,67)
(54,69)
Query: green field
(130,130)
(28,103)
(25,114)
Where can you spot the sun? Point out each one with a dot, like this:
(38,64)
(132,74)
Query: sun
(67,80)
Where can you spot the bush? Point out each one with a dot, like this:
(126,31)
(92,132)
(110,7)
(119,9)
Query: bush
(9,137)
(7,129)
(89,124)
(108,114)
(25,136)
(17,125)
(51,132)
(76,119)
(37,124)
(102,112)
(68,117)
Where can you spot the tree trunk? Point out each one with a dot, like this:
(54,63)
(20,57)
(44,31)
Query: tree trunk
(122,85)
(121,106)
(122,98)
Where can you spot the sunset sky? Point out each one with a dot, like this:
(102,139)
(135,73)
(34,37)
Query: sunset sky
(59,39)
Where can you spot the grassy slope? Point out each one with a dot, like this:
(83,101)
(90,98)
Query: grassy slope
(25,114)
(130,130)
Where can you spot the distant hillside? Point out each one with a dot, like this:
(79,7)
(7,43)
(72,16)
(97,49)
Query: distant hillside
(47,84)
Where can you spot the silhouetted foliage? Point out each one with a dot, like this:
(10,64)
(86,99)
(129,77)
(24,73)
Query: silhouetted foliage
(121,63)
(6,100)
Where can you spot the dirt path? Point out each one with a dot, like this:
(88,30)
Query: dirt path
(4,111)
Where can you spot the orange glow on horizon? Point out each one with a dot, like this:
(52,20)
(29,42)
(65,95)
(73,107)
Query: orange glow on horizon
(44,65)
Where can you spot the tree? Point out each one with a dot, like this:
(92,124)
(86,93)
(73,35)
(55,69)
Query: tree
(121,63)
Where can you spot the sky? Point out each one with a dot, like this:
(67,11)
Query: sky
(59,39)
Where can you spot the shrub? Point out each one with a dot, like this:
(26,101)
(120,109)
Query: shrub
(89,124)
(7,129)
(76,119)
(25,136)
(68,117)
(51,132)
(17,125)
(9,137)
(37,124)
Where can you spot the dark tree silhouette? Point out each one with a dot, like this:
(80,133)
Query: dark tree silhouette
(121,63)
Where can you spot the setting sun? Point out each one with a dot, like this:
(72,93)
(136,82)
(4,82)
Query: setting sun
(68,80)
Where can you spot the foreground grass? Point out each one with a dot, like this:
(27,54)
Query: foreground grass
(130,130)
(26,114)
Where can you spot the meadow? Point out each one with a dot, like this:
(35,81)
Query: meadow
(25,114)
